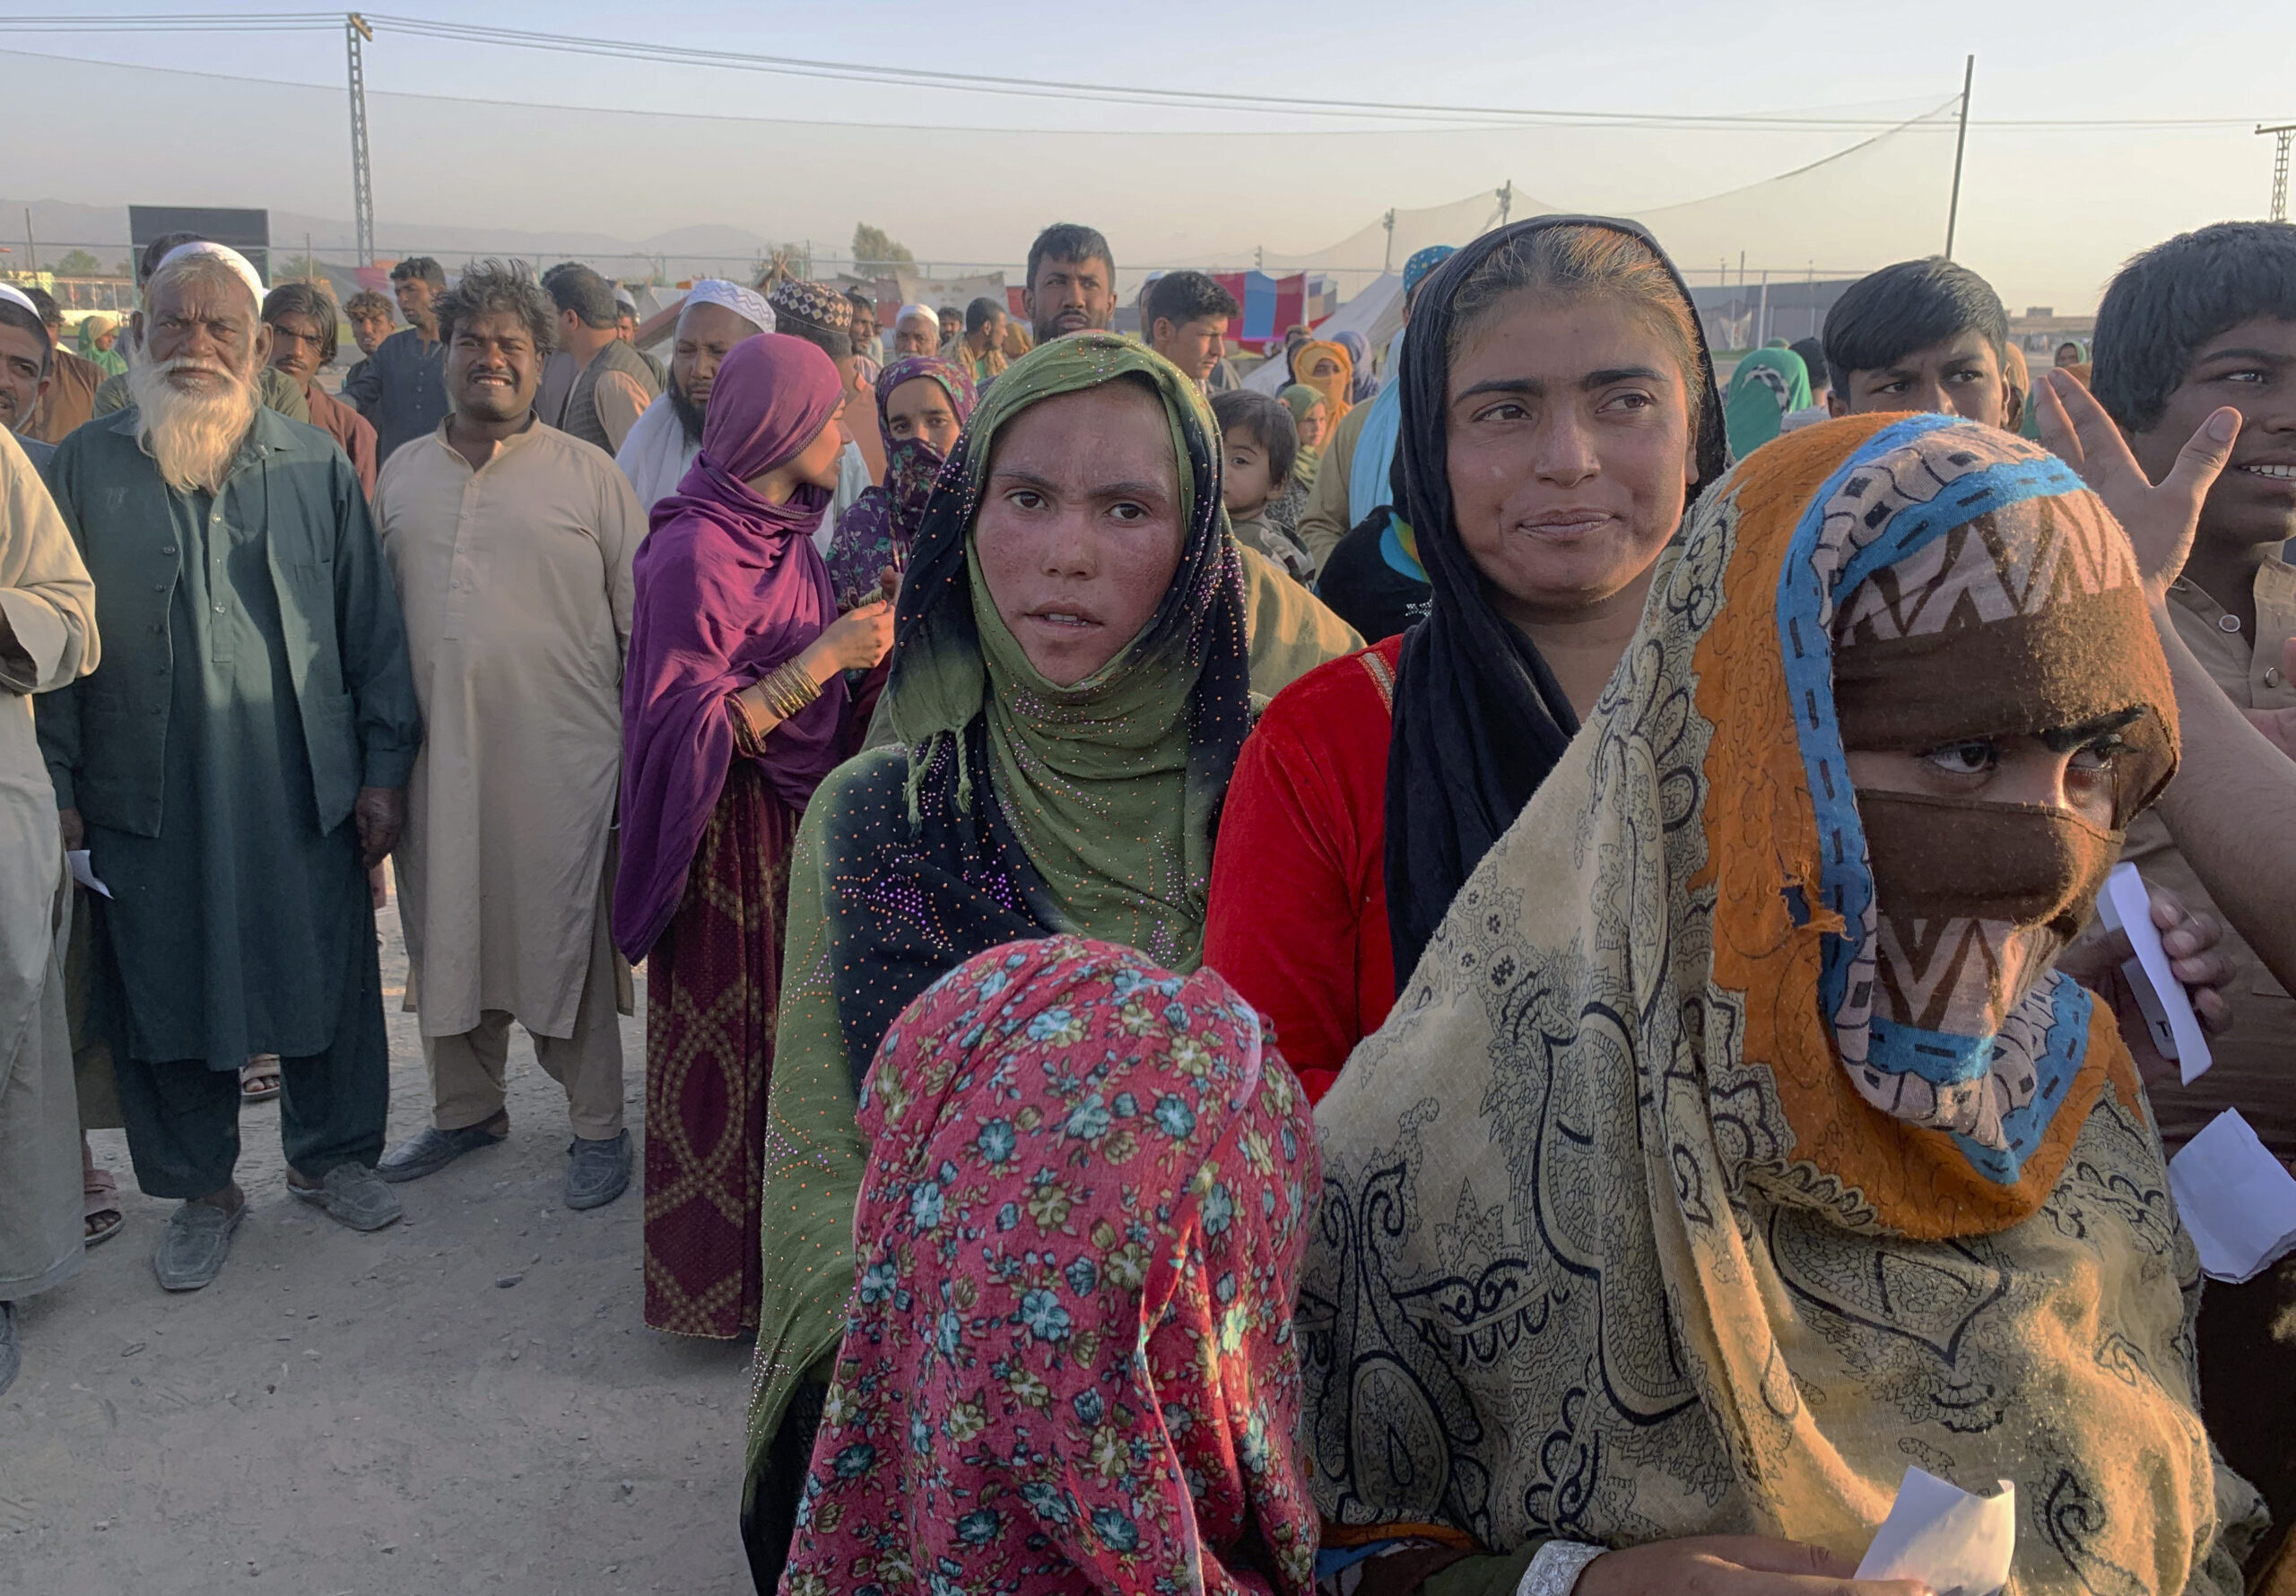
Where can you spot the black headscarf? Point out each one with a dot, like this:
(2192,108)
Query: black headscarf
(1478,718)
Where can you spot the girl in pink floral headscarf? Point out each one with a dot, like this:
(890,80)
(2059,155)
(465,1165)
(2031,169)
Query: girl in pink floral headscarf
(1068,1366)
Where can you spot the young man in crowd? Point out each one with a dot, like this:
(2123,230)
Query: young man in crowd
(1259,443)
(402,386)
(2205,320)
(1071,282)
(952,328)
(1923,334)
(304,331)
(625,327)
(612,384)
(867,347)
(982,351)
(503,871)
(372,319)
(1187,315)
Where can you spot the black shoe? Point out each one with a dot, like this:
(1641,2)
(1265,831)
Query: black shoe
(600,1171)
(431,1149)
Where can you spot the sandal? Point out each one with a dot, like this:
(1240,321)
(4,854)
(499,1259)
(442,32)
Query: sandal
(100,1214)
(259,1078)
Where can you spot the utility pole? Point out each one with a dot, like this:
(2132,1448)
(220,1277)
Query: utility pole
(2281,134)
(1960,144)
(31,245)
(362,182)
(1388,262)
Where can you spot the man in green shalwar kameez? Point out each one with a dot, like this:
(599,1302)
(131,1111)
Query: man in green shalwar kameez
(237,764)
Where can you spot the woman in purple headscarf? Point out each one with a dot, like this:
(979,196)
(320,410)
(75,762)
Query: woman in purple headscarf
(733,709)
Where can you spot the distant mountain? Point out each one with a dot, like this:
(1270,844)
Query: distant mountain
(58,225)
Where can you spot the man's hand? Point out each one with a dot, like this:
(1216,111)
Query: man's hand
(75,831)
(2195,958)
(1731,1566)
(2159,520)
(380,811)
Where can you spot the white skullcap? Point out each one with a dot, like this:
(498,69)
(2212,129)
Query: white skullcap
(17,296)
(242,267)
(926,311)
(622,296)
(744,302)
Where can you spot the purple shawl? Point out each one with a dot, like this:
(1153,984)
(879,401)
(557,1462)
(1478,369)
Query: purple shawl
(728,586)
(877,529)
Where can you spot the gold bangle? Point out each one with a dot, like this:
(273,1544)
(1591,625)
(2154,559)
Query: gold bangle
(793,686)
(786,690)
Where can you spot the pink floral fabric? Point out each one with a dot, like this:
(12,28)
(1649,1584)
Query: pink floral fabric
(1069,1364)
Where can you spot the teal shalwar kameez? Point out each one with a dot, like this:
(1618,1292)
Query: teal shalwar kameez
(215,758)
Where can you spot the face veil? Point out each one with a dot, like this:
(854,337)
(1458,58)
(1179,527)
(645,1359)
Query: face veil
(1670,1200)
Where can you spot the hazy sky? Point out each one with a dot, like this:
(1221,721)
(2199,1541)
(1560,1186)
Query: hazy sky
(2046,214)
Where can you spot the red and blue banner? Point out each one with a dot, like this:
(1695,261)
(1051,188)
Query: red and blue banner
(1272,305)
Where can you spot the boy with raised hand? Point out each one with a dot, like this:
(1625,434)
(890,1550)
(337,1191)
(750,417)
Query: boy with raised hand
(2204,321)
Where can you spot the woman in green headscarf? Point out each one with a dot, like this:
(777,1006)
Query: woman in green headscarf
(1311,419)
(1311,414)
(1768,386)
(96,336)
(1079,644)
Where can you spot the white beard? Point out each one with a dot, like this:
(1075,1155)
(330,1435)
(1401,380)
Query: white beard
(192,436)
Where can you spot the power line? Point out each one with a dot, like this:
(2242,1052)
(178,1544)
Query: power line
(1239,102)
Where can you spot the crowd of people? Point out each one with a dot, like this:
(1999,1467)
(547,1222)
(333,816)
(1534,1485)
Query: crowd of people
(1477,974)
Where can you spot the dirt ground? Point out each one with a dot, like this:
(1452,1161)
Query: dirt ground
(469,1401)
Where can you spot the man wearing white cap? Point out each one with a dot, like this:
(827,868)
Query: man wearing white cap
(235,765)
(917,330)
(662,443)
(27,361)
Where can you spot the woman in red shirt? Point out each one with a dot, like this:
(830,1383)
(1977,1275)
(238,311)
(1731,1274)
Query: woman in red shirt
(1558,415)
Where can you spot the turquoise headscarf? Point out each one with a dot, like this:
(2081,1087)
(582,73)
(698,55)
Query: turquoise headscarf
(1768,386)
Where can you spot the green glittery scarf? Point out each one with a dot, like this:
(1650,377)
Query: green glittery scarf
(1110,787)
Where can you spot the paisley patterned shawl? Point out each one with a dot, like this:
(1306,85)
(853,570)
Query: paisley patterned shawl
(1613,1248)
(1069,1364)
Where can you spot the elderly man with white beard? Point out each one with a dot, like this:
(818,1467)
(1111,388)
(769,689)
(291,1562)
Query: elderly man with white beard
(236,764)
(664,441)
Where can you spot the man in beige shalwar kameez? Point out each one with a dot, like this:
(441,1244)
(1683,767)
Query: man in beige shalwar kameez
(47,637)
(511,543)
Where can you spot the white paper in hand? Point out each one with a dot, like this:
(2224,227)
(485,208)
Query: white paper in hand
(2237,1201)
(84,873)
(1957,1544)
(2126,905)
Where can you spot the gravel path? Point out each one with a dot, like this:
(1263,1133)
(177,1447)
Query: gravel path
(466,1402)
